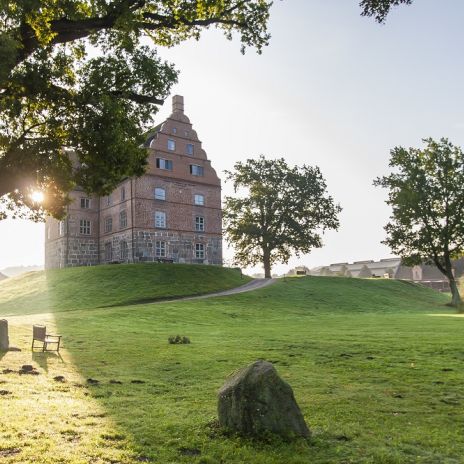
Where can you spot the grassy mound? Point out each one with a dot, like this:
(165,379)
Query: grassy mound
(111,285)
(376,367)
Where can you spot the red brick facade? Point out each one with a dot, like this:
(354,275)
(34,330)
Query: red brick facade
(171,212)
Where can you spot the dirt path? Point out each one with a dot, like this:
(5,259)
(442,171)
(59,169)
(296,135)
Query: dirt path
(255,284)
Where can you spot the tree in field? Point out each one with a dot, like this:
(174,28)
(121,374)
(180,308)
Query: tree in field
(282,210)
(426,193)
(78,76)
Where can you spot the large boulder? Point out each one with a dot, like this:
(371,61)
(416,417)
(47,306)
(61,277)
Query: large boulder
(255,401)
(4,340)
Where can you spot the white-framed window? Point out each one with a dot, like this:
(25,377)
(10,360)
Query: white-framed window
(171,145)
(123,193)
(160,219)
(85,203)
(123,250)
(108,224)
(189,149)
(162,163)
(108,252)
(85,227)
(160,193)
(174,130)
(199,223)
(160,249)
(61,225)
(199,199)
(196,170)
(199,251)
(122,219)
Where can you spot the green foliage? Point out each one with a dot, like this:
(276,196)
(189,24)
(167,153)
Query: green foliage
(379,9)
(365,272)
(283,210)
(377,377)
(111,285)
(178,340)
(78,89)
(426,193)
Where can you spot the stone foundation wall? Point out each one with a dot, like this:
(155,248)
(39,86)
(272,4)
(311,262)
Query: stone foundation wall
(179,246)
(82,252)
(115,241)
(55,252)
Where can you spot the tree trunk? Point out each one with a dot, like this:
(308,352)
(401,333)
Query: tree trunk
(267,263)
(456,300)
(455,296)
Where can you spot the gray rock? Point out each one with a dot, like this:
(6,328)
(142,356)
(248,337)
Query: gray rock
(4,340)
(255,401)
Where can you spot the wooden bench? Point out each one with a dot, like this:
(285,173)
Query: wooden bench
(39,334)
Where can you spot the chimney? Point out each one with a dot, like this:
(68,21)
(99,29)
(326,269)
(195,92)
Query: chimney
(177,104)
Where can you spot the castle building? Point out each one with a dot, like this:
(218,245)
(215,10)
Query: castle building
(172,212)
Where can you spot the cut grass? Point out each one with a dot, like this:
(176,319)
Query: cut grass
(378,379)
(111,285)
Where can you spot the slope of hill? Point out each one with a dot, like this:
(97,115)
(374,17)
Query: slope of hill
(376,367)
(3,276)
(14,271)
(111,285)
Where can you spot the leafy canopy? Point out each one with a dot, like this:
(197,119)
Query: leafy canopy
(79,87)
(426,193)
(379,9)
(283,210)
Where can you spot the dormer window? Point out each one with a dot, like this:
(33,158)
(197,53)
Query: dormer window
(171,145)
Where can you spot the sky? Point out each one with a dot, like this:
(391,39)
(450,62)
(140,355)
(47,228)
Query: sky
(332,89)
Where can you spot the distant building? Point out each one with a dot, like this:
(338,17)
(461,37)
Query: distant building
(391,268)
(299,270)
(172,212)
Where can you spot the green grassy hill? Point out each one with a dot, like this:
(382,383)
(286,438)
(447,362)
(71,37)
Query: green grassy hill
(111,285)
(376,367)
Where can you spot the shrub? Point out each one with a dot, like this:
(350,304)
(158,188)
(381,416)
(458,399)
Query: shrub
(178,340)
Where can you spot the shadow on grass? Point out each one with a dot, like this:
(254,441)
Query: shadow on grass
(42,358)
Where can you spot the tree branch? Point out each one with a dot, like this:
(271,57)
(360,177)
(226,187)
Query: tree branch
(137,98)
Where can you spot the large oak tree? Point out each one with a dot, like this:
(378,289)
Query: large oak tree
(280,210)
(79,87)
(76,75)
(426,193)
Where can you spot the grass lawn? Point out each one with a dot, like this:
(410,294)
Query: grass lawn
(376,367)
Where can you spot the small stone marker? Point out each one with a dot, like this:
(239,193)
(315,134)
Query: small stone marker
(256,400)
(4,341)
